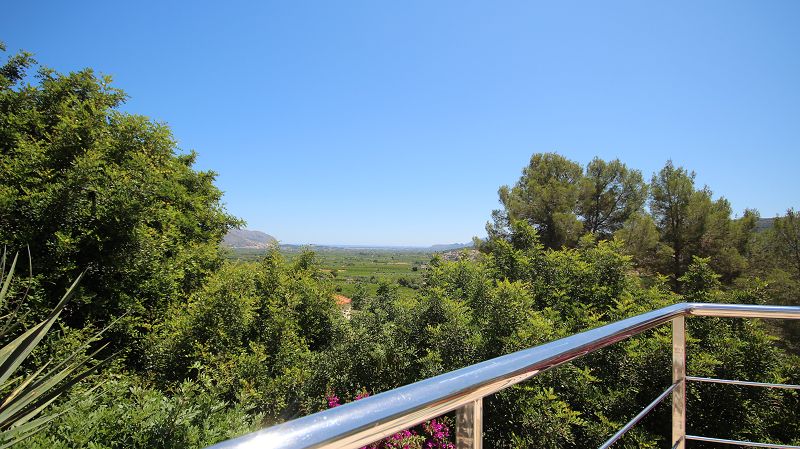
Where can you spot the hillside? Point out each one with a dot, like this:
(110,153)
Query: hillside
(244,238)
(451,246)
(764,223)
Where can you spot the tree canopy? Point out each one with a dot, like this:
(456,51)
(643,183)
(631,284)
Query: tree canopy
(608,200)
(562,201)
(89,187)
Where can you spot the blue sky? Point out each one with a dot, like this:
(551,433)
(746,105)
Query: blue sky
(395,122)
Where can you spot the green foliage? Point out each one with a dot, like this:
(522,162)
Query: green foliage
(126,414)
(256,328)
(545,196)
(785,241)
(541,416)
(672,190)
(27,395)
(693,224)
(561,201)
(352,269)
(640,239)
(610,194)
(265,341)
(91,188)
(530,296)
(700,281)
(774,259)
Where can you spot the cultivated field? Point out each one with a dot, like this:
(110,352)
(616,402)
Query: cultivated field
(350,267)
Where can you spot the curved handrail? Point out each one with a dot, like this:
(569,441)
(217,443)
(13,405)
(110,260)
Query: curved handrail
(357,424)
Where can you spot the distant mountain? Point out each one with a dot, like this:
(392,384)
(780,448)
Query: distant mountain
(247,239)
(764,223)
(243,238)
(424,249)
(451,246)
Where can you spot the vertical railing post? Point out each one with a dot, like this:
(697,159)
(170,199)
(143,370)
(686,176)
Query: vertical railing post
(469,425)
(679,377)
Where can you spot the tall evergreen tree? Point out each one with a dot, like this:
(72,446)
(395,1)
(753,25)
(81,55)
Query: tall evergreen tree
(786,240)
(671,193)
(545,196)
(692,223)
(610,194)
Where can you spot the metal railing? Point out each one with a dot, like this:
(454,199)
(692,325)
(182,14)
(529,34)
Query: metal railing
(357,424)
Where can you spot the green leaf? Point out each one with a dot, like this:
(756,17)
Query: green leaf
(9,276)
(14,353)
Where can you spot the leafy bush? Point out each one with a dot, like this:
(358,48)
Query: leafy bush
(26,395)
(256,328)
(126,414)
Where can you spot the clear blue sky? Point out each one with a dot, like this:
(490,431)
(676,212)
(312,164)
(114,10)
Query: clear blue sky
(378,122)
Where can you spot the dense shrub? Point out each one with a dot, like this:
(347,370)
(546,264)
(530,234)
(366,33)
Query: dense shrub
(256,328)
(127,414)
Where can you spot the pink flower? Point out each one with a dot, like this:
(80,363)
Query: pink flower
(433,434)
(333,400)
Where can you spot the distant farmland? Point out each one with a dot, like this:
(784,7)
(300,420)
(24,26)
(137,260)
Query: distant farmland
(350,266)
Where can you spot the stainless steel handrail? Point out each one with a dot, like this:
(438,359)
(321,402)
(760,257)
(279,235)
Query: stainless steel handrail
(740,443)
(357,424)
(742,383)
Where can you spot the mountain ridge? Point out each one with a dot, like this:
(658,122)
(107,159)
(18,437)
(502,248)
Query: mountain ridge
(252,239)
(246,238)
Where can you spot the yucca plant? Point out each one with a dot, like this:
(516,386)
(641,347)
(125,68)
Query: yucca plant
(32,393)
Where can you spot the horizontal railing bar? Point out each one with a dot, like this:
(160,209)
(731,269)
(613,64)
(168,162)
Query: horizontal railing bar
(359,423)
(742,382)
(638,417)
(743,311)
(740,443)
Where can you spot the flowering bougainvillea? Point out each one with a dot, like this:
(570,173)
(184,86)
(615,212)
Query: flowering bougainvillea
(433,434)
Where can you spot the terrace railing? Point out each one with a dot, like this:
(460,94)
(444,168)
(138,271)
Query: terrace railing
(360,423)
